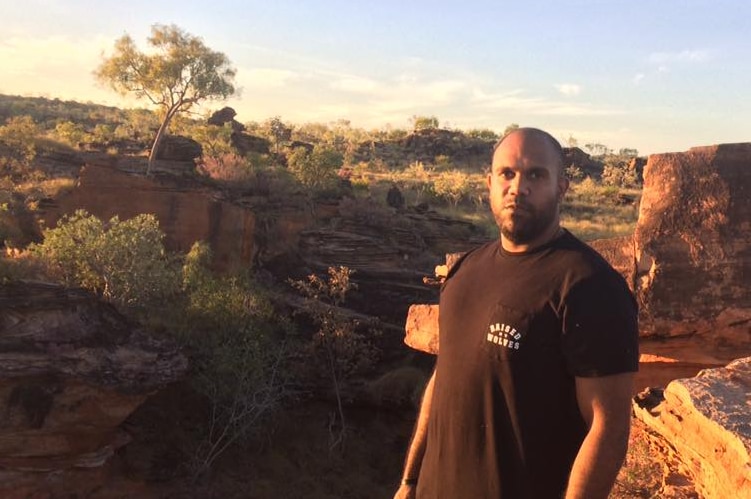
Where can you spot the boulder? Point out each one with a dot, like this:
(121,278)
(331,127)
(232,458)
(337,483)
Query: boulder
(179,148)
(573,156)
(71,370)
(705,420)
(226,115)
(692,245)
(245,143)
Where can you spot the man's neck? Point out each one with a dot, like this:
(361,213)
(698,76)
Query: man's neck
(553,232)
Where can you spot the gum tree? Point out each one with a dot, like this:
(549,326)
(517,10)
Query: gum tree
(179,71)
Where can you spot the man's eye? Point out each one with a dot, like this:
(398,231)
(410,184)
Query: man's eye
(507,174)
(535,175)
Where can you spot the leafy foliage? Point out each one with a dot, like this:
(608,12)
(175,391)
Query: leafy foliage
(17,146)
(238,349)
(424,122)
(124,262)
(316,169)
(452,185)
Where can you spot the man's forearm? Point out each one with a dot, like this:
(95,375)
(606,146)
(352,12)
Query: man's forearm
(598,462)
(419,440)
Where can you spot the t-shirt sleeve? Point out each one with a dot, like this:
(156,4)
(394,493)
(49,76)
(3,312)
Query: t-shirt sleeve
(600,327)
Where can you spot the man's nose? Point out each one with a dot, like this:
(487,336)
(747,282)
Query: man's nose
(519,186)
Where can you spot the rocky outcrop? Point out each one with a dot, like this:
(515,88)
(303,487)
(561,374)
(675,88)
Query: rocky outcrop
(178,148)
(71,370)
(187,212)
(390,251)
(425,146)
(573,156)
(689,260)
(706,422)
(693,242)
(226,115)
(245,144)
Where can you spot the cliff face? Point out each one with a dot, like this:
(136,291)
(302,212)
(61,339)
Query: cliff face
(71,370)
(693,239)
(689,261)
(186,212)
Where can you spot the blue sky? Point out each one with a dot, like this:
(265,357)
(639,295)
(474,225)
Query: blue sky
(658,76)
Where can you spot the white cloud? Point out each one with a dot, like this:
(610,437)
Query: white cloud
(568,89)
(638,77)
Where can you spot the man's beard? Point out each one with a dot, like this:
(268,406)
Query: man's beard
(525,223)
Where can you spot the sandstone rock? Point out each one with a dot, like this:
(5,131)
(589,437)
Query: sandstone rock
(226,115)
(178,148)
(573,156)
(186,212)
(693,237)
(71,370)
(422,328)
(706,420)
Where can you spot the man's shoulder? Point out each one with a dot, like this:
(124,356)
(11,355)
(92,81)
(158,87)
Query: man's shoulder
(581,256)
(477,254)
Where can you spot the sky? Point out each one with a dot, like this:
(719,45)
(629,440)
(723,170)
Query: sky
(657,76)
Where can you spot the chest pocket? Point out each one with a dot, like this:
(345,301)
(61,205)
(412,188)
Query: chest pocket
(506,336)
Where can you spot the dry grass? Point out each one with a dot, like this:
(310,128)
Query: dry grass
(641,475)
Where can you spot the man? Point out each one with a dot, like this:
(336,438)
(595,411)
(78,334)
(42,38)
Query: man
(531,393)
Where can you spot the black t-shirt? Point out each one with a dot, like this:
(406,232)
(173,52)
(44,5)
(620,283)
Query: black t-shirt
(515,330)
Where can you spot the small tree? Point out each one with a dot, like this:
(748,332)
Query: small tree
(510,128)
(452,185)
(17,146)
(180,73)
(339,348)
(279,131)
(316,169)
(424,123)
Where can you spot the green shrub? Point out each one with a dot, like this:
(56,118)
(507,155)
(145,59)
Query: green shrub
(316,169)
(123,261)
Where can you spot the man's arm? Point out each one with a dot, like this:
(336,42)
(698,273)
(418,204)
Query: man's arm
(605,404)
(417,447)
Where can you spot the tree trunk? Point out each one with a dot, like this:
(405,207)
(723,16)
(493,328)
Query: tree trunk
(158,139)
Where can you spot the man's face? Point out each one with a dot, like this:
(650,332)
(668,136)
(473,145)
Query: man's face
(526,188)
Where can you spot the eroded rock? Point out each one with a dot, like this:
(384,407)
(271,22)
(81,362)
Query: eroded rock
(71,370)
(706,421)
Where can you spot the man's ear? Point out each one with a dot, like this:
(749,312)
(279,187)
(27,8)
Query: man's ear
(563,184)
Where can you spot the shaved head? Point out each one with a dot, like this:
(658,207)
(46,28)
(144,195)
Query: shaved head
(539,134)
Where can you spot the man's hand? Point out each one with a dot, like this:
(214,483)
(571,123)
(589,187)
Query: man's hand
(405,492)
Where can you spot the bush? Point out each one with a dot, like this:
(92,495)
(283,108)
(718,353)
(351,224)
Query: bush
(316,169)
(123,262)
(238,349)
(17,146)
(452,185)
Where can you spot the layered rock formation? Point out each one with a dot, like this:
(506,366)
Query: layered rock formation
(71,370)
(707,422)
(187,212)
